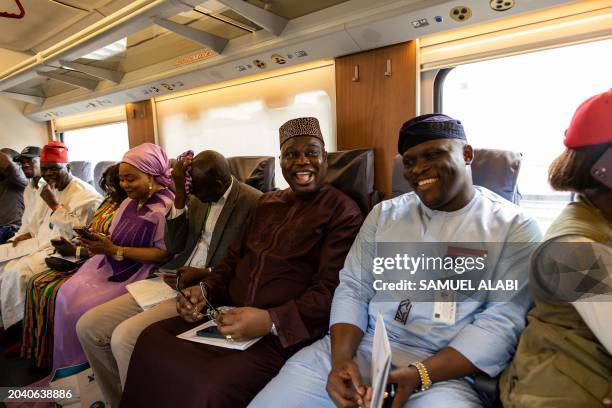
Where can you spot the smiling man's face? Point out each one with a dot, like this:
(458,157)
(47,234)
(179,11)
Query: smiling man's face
(304,164)
(30,166)
(57,175)
(437,172)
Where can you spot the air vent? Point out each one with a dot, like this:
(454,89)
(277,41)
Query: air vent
(461,13)
(501,5)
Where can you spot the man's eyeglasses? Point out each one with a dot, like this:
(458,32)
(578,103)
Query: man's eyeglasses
(211,312)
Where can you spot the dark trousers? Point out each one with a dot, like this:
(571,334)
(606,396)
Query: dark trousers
(6,232)
(169,372)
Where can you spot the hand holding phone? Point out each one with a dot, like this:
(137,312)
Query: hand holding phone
(63,246)
(85,233)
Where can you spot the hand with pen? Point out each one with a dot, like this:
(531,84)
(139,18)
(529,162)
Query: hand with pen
(345,385)
(405,379)
(346,388)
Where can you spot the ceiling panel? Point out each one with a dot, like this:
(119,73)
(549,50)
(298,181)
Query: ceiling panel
(156,49)
(291,9)
(232,15)
(47,22)
(43,19)
(42,87)
(88,5)
(109,63)
(156,44)
(211,25)
(53,39)
(113,7)
(145,35)
(9,59)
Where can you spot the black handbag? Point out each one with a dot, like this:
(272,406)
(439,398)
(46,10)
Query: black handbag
(62,265)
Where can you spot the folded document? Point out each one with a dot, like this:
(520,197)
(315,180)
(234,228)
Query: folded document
(381,362)
(150,292)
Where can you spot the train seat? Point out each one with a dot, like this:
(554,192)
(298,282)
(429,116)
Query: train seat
(97,173)
(256,171)
(82,170)
(352,171)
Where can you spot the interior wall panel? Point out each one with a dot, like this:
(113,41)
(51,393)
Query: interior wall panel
(18,131)
(370,109)
(140,119)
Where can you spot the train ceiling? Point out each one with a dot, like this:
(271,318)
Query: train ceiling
(70,56)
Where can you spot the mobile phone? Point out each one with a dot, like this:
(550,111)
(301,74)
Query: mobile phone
(86,234)
(210,331)
(602,169)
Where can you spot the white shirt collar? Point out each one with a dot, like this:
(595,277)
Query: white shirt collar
(223,198)
(429,212)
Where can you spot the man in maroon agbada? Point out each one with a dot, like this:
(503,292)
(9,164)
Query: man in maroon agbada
(280,276)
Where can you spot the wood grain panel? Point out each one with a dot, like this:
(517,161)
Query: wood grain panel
(140,122)
(50,130)
(370,111)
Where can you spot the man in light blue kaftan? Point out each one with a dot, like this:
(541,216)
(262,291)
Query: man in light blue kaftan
(482,334)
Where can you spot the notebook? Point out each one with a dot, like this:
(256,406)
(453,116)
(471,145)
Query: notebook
(236,345)
(150,292)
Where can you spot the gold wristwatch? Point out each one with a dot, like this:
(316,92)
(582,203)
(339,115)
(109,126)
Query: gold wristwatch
(119,255)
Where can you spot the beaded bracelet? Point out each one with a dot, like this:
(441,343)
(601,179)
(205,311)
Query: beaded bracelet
(424,374)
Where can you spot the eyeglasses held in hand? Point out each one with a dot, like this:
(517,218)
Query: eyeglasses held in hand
(211,311)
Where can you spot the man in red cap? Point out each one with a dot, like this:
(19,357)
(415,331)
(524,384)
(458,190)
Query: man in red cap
(70,202)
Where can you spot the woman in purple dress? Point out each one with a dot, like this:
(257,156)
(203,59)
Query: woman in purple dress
(134,247)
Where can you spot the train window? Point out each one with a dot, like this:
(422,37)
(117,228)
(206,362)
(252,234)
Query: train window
(97,143)
(524,103)
(242,119)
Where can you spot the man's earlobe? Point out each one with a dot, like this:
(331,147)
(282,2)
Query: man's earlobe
(468,154)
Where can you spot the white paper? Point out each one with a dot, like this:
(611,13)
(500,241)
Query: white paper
(25,247)
(236,345)
(381,362)
(150,292)
(83,387)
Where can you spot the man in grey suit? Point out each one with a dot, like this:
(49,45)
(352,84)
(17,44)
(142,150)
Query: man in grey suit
(199,231)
